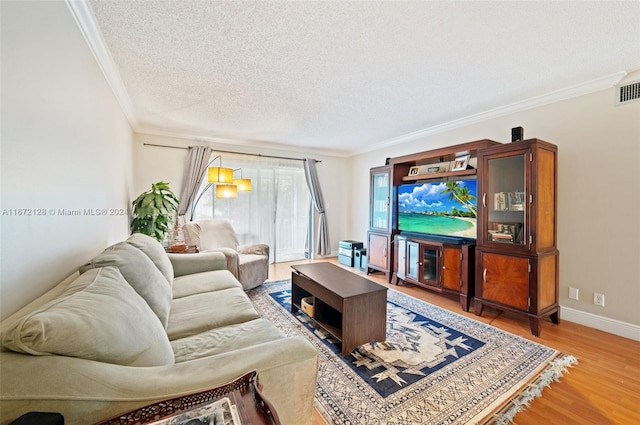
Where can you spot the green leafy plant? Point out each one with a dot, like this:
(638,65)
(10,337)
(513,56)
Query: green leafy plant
(154,210)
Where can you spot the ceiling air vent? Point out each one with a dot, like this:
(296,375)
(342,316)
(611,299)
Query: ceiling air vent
(628,90)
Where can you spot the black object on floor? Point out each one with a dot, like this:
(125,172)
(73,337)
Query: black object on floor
(39,418)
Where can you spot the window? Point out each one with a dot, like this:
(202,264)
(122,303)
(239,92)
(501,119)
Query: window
(276,211)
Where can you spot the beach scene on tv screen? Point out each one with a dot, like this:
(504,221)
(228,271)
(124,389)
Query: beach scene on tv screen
(441,208)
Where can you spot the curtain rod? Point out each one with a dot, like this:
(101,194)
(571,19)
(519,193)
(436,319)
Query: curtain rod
(238,153)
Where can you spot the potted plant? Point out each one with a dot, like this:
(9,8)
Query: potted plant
(154,210)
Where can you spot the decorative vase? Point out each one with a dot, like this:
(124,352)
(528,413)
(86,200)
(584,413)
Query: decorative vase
(177,240)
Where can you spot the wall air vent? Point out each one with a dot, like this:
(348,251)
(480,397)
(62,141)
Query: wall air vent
(628,89)
(629,92)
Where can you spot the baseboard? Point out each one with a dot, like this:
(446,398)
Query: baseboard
(604,324)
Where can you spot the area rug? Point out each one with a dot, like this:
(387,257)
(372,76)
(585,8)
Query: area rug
(435,367)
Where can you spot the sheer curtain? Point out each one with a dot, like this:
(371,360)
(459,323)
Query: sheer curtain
(276,211)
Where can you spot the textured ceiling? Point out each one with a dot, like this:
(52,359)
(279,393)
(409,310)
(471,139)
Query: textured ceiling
(347,76)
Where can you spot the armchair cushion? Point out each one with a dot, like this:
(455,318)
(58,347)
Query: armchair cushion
(256,249)
(248,263)
(99,317)
(212,234)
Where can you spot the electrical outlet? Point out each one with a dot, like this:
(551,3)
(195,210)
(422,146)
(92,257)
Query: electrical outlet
(598,299)
(574,293)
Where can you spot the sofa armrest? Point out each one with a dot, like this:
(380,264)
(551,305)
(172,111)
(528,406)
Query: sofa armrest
(232,261)
(86,391)
(184,264)
(257,249)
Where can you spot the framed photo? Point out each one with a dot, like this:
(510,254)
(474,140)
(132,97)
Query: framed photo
(460,163)
(414,171)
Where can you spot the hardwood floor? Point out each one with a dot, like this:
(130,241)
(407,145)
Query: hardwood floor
(604,388)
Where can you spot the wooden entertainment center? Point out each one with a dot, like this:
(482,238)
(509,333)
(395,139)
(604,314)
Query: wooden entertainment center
(510,262)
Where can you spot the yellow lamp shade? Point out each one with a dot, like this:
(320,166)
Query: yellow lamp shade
(244,185)
(220,175)
(226,191)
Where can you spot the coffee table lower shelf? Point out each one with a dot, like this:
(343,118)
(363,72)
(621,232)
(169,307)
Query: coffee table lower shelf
(334,330)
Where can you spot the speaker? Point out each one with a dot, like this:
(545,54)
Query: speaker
(517,134)
(360,258)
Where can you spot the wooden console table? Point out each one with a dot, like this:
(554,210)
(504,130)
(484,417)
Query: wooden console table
(244,392)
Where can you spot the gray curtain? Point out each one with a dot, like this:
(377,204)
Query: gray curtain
(197,161)
(322,244)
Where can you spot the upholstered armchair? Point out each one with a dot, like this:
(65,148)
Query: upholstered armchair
(248,263)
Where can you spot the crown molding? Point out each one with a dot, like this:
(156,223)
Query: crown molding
(85,19)
(534,102)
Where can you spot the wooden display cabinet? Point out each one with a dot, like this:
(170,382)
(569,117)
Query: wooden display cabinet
(437,266)
(378,252)
(379,234)
(517,257)
(434,264)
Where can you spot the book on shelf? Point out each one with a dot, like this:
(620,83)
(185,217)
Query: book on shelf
(509,201)
(498,236)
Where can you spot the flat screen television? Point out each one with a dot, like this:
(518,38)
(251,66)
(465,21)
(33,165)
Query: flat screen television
(444,208)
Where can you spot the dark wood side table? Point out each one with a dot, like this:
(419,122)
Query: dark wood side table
(244,392)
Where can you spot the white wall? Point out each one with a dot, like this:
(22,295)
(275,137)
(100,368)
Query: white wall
(65,146)
(598,195)
(153,164)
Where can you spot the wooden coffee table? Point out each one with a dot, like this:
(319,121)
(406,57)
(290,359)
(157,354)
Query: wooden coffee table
(350,307)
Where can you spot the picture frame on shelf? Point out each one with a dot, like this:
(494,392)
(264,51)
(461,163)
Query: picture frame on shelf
(414,171)
(460,163)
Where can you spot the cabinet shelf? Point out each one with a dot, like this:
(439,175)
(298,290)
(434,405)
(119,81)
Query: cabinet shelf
(433,176)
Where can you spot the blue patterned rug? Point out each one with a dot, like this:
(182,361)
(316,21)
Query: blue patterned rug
(435,367)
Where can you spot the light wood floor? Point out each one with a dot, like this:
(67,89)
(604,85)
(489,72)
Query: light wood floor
(604,388)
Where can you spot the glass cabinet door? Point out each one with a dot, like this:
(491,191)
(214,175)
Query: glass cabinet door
(413,260)
(506,200)
(380,200)
(430,265)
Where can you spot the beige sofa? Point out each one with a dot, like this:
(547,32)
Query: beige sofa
(138,326)
(248,263)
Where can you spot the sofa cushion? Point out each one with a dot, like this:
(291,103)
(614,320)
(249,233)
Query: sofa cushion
(202,312)
(156,253)
(225,339)
(198,283)
(141,273)
(99,317)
